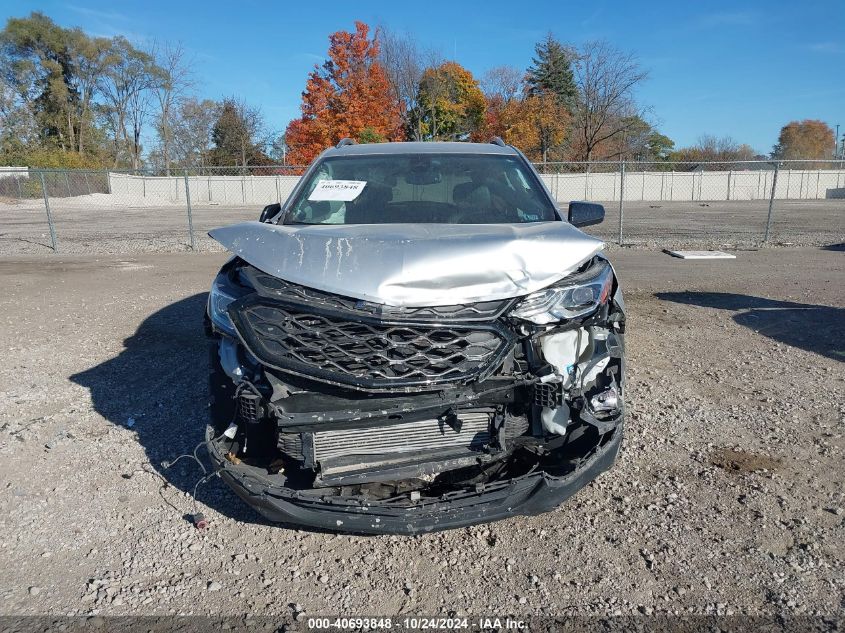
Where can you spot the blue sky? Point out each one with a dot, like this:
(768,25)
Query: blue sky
(741,69)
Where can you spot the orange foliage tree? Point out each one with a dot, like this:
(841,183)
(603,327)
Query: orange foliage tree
(451,104)
(349,96)
(806,139)
(537,124)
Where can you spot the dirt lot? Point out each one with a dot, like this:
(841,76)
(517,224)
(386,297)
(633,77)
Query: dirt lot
(102,224)
(727,498)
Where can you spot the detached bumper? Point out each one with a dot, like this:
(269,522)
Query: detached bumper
(530,494)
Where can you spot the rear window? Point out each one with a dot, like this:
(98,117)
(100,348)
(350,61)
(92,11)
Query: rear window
(421,188)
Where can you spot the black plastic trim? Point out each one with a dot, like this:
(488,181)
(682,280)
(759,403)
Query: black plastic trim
(527,495)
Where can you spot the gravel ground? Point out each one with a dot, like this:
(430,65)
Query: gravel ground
(727,498)
(122,227)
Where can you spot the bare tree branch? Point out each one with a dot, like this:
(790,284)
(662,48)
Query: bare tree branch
(606,78)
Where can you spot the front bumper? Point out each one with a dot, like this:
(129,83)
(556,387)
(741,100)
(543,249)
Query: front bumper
(530,494)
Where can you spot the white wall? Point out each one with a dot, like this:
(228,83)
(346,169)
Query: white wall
(14,172)
(652,186)
(223,190)
(658,186)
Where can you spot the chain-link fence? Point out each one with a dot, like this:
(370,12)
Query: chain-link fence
(659,204)
(83,211)
(705,204)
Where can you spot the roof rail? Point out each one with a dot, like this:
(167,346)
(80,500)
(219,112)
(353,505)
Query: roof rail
(496,140)
(346,141)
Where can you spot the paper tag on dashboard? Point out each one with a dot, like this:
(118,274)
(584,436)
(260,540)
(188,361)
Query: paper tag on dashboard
(337,190)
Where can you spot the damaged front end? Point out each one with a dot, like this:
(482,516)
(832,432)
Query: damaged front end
(340,413)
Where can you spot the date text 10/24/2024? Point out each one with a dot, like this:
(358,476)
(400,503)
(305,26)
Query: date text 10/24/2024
(417,623)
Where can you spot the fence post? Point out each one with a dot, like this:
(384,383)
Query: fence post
(557,184)
(587,182)
(621,197)
(730,174)
(190,215)
(87,183)
(771,204)
(49,214)
(67,183)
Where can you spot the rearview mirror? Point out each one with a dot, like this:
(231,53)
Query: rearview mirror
(269,211)
(585,213)
(422,171)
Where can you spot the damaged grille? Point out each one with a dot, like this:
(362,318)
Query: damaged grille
(367,353)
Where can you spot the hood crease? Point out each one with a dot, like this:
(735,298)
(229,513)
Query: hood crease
(414,265)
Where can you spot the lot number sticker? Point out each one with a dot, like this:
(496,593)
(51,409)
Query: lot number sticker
(337,190)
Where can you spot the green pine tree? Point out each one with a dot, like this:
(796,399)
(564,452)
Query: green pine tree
(551,71)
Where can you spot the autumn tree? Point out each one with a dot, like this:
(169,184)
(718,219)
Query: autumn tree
(349,96)
(70,99)
(54,72)
(551,72)
(808,139)
(712,148)
(605,107)
(452,105)
(536,124)
(502,86)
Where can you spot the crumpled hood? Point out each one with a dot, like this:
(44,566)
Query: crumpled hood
(414,264)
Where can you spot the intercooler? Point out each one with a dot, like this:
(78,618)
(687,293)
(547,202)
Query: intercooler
(384,448)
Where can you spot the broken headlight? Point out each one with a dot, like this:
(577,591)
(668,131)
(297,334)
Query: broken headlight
(222,294)
(570,298)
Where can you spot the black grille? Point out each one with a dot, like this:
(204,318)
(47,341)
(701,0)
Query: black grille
(273,287)
(367,353)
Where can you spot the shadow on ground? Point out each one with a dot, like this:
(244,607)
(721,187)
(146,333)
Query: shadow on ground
(815,328)
(160,380)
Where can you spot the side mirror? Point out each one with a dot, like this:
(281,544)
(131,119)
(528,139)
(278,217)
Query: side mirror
(585,213)
(269,211)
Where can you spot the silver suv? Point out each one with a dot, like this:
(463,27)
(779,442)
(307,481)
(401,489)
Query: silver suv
(417,339)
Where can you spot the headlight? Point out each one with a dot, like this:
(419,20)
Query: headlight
(570,298)
(221,295)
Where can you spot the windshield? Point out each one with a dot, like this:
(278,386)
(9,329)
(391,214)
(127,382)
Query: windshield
(421,188)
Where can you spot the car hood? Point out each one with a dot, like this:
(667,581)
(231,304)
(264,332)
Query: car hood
(414,264)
